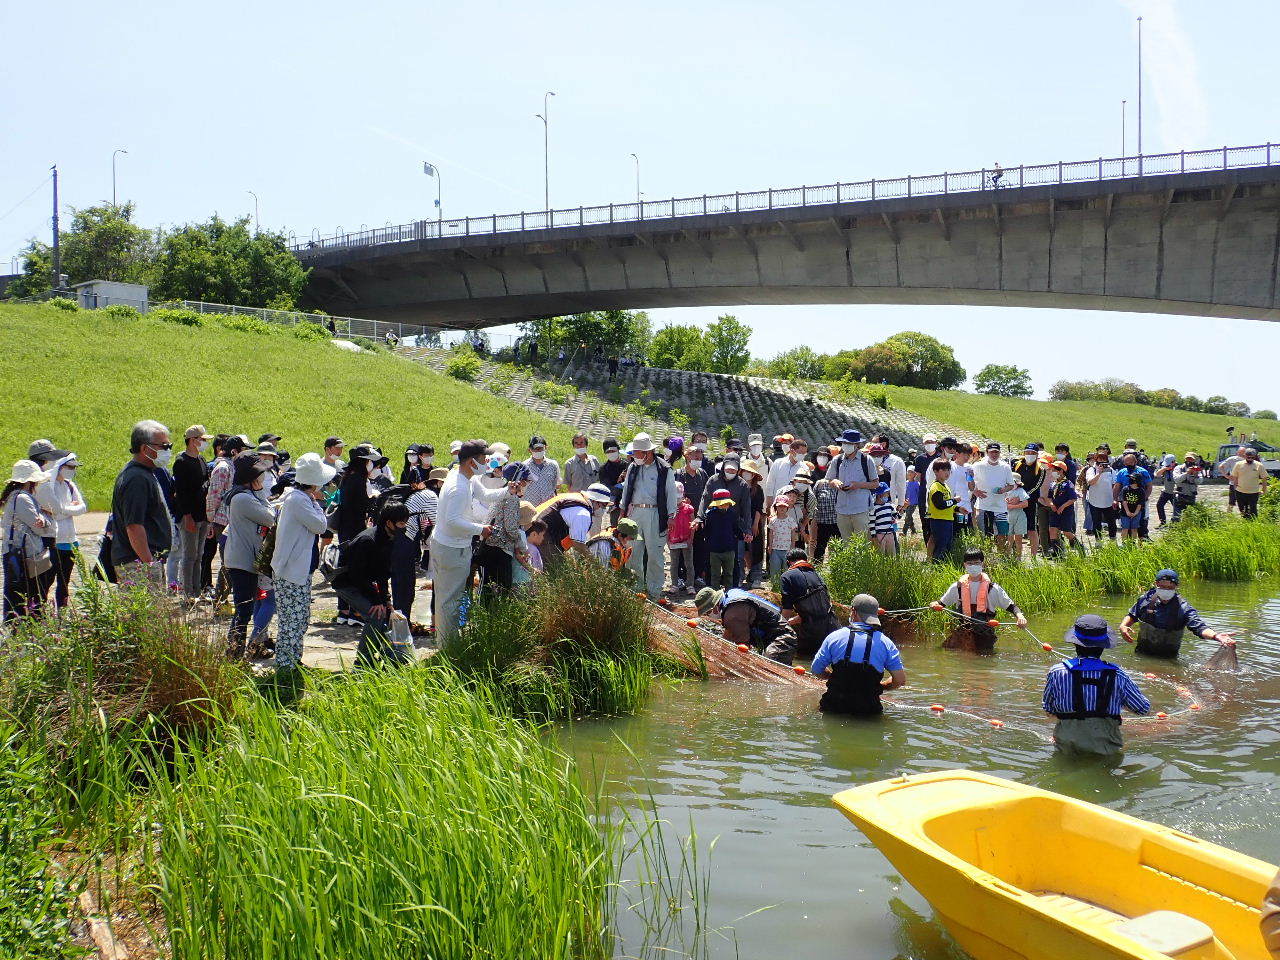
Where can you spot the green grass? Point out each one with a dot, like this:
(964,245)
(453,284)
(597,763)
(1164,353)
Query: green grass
(83,379)
(1081,423)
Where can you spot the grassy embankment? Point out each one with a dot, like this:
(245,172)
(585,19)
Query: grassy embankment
(384,814)
(1206,545)
(83,379)
(1081,423)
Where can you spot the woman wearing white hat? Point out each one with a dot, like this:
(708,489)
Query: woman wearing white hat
(22,529)
(301,522)
(61,499)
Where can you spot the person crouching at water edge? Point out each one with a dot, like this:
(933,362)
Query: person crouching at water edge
(1086,693)
(1162,615)
(749,619)
(854,660)
(976,597)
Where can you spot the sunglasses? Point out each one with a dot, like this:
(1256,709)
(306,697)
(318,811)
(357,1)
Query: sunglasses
(161,446)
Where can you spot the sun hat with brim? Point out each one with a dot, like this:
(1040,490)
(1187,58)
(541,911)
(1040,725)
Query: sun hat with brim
(270,438)
(311,471)
(1191,455)
(849,436)
(628,528)
(1090,630)
(747,466)
(527,514)
(707,599)
(266,449)
(642,443)
(599,493)
(27,471)
(868,608)
(438,473)
(248,467)
(725,501)
(1167,574)
(455,446)
(755,438)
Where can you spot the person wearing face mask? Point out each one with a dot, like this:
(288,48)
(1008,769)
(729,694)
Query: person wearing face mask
(920,464)
(825,496)
(412,471)
(992,479)
(60,499)
(140,519)
(364,581)
(456,527)
(855,475)
(302,521)
(649,498)
(783,470)
(248,513)
(190,477)
(977,598)
(583,469)
(755,454)
(694,477)
(728,477)
(893,465)
(614,465)
(1061,497)
(1161,615)
(544,471)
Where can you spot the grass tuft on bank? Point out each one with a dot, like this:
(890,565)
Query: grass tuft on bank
(83,378)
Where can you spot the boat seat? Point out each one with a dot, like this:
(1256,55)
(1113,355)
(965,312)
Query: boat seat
(1167,932)
(1078,909)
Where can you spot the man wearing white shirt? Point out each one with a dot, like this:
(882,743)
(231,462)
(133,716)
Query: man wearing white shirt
(892,464)
(455,528)
(992,479)
(783,470)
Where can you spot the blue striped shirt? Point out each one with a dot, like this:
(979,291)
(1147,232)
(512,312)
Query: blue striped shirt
(1058,693)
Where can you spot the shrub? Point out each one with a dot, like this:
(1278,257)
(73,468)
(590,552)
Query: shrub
(66,303)
(181,315)
(120,311)
(464,365)
(310,331)
(556,394)
(1264,414)
(245,324)
(499,383)
(364,343)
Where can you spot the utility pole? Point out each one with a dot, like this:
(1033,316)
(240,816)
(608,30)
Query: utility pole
(637,160)
(431,170)
(57,250)
(1123,106)
(255,210)
(1139,96)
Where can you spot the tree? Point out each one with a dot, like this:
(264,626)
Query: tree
(227,263)
(1166,397)
(101,243)
(729,341)
(37,272)
(1003,380)
(1237,409)
(615,331)
(680,347)
(1264,415)
(798,363)
(1216,404)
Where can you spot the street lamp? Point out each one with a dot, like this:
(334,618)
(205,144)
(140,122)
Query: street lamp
(637,160)
(546,151)
(113,173)
(1139,96)
(433,171)
(255,209)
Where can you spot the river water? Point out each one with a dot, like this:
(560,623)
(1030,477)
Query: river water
(754,768)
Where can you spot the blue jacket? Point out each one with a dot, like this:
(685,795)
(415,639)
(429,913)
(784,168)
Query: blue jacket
(1167,615)
(722,529)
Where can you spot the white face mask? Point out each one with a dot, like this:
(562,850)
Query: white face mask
(848,447)
(700,447)
(730,472)
(539,454)
(930,447)
(412,458)
(993,456)
(1055,475)
(1165,594)
(973,569)
(822,459)
(578,452)
(68,473)
(163,457)
(372,468)
(202,446)
(756,448)
(613,456)
(426,461)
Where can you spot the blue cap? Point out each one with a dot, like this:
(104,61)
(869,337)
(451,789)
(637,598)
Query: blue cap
(883,488)
(1167,574)
(1090,630)
(515,472)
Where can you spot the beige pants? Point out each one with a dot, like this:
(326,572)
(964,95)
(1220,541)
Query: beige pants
(851,523)
(450,567)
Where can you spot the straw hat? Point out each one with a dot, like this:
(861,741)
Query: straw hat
(27,471)
(527,512)
(749,466)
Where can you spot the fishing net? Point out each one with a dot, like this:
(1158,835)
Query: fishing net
(1224,659)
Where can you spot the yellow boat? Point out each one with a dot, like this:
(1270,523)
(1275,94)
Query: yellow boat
(1017,873)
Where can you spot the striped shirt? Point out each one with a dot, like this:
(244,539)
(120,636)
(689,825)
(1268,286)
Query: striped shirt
(422,512)
(884,519)
(542,485)
(1058,697)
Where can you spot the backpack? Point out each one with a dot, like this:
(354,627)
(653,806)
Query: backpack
(397,493)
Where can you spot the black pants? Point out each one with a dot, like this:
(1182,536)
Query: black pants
(375,639)
(64,561)
(206,563)
(244,590)
(701,556)
(826,531)
(1103,516)
(1165,498)
(496,566)
(404,573)
(1248,503)
(21,596)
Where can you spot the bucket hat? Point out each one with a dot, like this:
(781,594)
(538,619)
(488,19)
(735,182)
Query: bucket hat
(27,471)
(707,599)
(850,436)
(312,471)
(599,493)
(1090,630)
(628,528)
(642,443)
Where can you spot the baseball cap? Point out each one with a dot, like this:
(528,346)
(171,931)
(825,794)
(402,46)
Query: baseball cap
(993,445)
(334,442)
(196,430)
(269,438)
(1167,574)
(868,608)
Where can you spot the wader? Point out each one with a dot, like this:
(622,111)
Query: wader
(769,634)
(1090,731)
(1157,642)
(817,621)
(854,686)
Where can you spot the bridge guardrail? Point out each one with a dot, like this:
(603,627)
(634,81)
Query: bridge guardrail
(937,184)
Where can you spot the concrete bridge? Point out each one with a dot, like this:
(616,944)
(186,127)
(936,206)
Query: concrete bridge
(1195,233)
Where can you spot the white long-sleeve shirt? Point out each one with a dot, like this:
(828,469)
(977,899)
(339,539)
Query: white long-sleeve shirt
(455,520)
(62,500)
(781,472)
(897,468)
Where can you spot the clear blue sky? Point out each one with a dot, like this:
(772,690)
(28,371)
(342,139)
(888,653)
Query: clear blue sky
(327,109)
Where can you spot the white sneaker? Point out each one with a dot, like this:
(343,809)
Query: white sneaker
(341,621)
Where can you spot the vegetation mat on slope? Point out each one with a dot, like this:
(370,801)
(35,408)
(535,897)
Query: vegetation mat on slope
(83,378)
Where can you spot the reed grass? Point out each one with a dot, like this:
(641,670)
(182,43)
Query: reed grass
(394,815)
(577,644)
(1210,547)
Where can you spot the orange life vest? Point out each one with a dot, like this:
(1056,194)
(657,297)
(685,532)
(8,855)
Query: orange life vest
(966,603)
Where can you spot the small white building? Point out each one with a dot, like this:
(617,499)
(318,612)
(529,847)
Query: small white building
(103,293)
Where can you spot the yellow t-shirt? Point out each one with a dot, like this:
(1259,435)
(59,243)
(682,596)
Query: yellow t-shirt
(936,513)
(1249,477)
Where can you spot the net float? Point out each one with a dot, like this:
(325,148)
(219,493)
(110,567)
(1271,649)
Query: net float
(642,596)
(993,623)
(938,708)
(881,610)
(692,623)
(1046,646)
(1149,676)
(1195,706)
(936,606)
(996,723)
(798,669)
(743,647)
(1162,715)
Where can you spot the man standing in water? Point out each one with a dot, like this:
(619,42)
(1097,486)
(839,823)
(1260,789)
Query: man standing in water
(854,660)
(1086,693)
(1162,615)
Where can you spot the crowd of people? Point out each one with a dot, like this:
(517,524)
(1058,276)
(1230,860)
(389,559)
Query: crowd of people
(675,519)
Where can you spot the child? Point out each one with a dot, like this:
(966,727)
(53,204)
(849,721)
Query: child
(527,562)
(940,510)
(1061,501)
(977,598)
(912,497)
(1133,504)
(884,522)
(1016,502)
(783,532)
(680,542)
(722,530)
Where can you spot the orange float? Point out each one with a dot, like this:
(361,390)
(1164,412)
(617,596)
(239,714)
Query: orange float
(692,623)
(799,669)
(938,708)
(743,647)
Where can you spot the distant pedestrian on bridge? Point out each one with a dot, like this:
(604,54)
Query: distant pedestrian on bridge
(996,176)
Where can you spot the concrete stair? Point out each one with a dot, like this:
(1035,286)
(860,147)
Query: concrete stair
(643,398)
